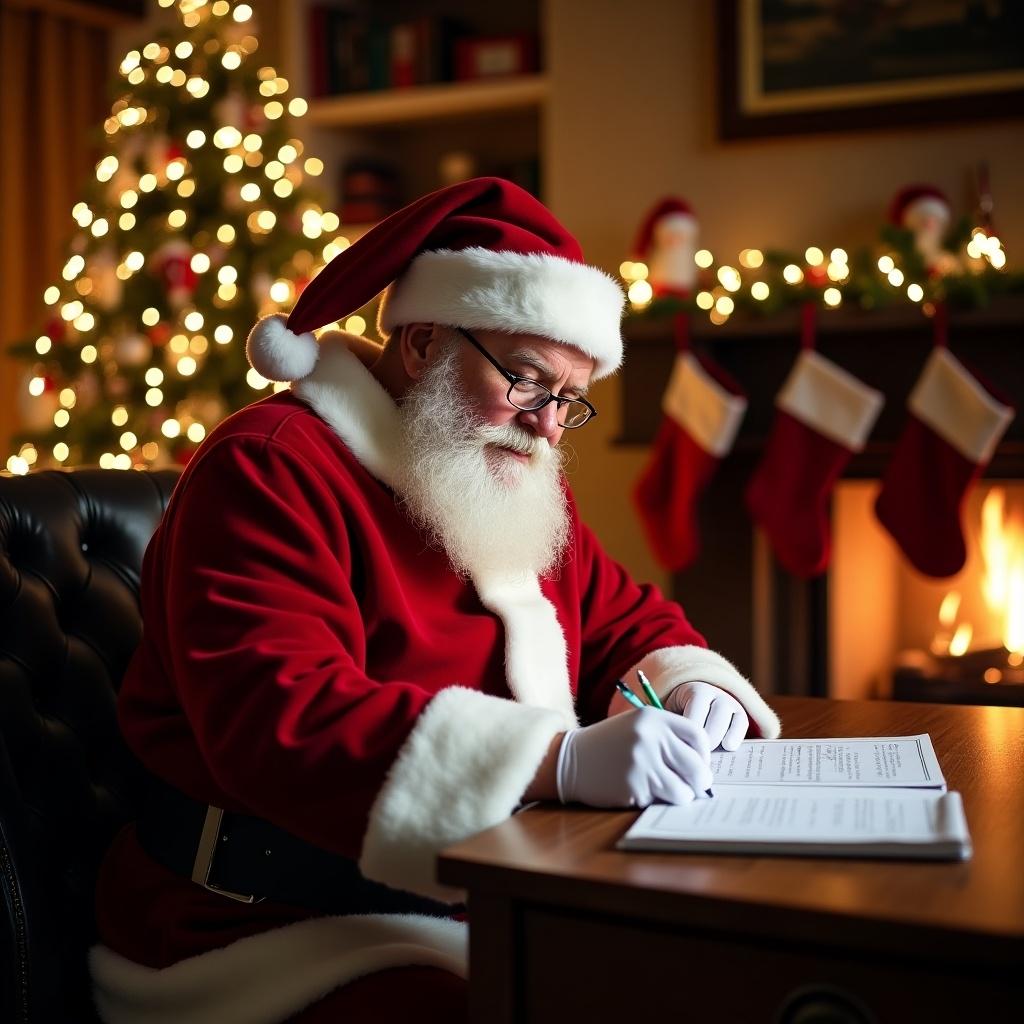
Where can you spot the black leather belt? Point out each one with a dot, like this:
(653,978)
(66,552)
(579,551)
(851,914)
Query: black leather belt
(250,860)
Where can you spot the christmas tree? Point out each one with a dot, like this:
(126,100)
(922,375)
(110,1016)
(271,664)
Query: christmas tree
(197,223)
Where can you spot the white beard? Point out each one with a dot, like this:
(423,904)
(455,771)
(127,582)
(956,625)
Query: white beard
(488,511)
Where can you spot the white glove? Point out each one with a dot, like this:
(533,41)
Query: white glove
(633,759)
(718,713)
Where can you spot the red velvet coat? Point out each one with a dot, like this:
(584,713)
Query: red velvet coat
(308,658)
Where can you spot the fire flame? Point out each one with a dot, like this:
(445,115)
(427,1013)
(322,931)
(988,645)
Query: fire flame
(1002,548)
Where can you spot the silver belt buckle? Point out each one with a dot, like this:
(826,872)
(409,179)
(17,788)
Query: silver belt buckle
(205,852)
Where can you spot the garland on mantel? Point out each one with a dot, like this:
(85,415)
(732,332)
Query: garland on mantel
(972,273)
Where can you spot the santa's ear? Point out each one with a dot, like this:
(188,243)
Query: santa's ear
(417,345)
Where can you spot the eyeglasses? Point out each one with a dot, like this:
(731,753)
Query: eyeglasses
(529,395)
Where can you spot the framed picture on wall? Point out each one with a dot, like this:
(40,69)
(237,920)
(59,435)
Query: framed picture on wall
(837,65)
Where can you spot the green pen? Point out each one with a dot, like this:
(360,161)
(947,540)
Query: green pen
(629,695)
(652,697)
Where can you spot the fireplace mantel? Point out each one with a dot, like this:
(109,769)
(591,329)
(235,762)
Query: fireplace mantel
(773,625)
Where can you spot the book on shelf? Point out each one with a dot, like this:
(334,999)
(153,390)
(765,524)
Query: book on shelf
(354,52)
(881,796)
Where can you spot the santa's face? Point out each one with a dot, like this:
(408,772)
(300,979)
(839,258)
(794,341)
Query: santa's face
(481,477)
(564,370)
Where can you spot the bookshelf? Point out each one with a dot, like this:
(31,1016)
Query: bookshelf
(492,125)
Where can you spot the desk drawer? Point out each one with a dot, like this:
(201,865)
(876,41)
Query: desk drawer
(595,968)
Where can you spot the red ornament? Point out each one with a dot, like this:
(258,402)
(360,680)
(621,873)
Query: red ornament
(816,276)
(159,334)
(55,330)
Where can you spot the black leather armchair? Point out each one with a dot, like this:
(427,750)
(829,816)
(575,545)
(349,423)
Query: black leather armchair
(71,547)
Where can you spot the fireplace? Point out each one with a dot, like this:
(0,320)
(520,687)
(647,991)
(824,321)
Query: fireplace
(841,634)
(896,633)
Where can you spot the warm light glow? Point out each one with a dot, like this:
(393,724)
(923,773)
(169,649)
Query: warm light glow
(705,300)
(52,295)
(885,264)
(61,418)
(186,366)
(195,138)
(67,398)
(196,432)
(814,256)
(200,263)
(915,292)
(227,274)
(255,380)
(355,325)
(838,256)
(170,428)
(194,320)
(128,440)
(36,386)
(281,291)
(298,107)
(88,354)
(724,305)
(752,258)
(126,221)
(895,277)
(832,297)
(154,396)
(154,376)
(640,293)
(243,12)
(961,639)
(250,192)
(266,219)
(43,344)
(233,163)
(703,258)
(176,218)
(223,334)
(61,451)
(17,465)
(792,274)
(759,290)
(226,234)
(730,278)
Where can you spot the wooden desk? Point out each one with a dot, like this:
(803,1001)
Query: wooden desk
(566,928)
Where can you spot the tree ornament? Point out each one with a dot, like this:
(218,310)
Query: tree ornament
(667,242)
(173,262)
(132,349)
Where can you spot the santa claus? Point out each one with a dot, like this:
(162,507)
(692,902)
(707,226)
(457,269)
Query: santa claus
(375,625)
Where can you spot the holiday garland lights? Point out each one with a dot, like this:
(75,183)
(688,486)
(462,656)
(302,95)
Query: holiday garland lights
(198,223)
(767,282)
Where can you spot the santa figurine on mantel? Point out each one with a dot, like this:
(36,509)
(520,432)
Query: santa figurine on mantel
(667,241)
(926,212)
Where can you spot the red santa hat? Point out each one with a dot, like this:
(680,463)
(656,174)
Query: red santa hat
(907,197)
(482,254)
(667,207)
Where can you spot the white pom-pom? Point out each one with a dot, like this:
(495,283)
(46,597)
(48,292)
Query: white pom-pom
(276,353)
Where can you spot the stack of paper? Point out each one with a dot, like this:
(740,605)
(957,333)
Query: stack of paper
(875,797)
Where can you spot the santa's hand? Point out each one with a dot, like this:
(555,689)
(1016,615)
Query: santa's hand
(718,713)
(634,759)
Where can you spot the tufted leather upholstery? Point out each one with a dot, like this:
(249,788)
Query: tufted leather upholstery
(71,547)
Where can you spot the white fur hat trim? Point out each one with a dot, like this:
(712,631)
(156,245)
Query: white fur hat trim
(529,293)
(276,353)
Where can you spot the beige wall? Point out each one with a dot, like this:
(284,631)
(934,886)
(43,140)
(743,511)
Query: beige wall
(632,117)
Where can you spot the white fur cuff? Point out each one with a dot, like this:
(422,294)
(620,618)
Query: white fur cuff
(670,666)
(463,769)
